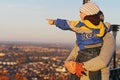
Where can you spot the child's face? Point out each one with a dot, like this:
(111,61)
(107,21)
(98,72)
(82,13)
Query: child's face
(82,15)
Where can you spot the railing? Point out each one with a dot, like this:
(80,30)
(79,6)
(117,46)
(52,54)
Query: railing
(115,74)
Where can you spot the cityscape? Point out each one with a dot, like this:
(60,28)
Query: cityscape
(31,49)
(29,61)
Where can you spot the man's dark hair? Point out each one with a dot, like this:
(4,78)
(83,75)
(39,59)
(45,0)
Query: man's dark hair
(100,13)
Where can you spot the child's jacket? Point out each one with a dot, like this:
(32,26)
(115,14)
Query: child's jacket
(87,34)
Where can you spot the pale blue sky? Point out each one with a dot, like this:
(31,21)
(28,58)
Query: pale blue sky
(24,20)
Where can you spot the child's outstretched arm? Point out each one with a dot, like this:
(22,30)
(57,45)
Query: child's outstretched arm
(71,25)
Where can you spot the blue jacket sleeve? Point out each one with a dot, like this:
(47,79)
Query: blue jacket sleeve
(62,24)
(110,29)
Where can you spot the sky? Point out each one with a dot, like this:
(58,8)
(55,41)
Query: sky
(25,20)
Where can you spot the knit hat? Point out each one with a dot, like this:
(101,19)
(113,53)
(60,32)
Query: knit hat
(89,8)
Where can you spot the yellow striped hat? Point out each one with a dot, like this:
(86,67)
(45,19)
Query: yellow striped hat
(89,8)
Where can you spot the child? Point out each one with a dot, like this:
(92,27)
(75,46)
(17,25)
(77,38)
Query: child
(89,33)
(109,48)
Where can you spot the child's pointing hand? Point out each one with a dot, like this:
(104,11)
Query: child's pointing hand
(51,21)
